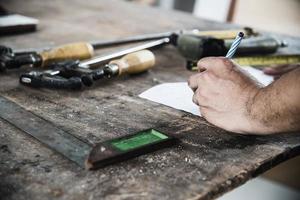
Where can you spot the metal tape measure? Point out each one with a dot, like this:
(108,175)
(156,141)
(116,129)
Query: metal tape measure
(267,60)
(262,61)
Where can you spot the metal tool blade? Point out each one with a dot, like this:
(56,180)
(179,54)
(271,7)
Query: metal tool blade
(100,59)
(47,133)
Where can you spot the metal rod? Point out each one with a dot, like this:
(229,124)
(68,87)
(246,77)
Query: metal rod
(101,59)
(131,39)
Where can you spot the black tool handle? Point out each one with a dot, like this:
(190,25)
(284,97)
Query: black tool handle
(55,82)
(88,79)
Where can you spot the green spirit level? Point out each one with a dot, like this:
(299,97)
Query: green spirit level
(127,147)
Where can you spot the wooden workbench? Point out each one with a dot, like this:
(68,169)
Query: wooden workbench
(207,163)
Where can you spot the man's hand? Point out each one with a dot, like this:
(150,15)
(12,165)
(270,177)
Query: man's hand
(230,99)
(224,94)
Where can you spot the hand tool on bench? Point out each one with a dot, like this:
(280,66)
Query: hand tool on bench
(133,63)
(62,75)
(76,51)
(268,60)
(193,49)
(219,34)
(75,149)
(70,76)
(99,60)
(10,60)
(51,78)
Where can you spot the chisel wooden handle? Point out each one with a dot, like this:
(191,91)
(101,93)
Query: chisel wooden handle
(134,63)
(81,51)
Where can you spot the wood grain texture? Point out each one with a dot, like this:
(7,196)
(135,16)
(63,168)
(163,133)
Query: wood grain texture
(207,163)
(135,63)
(75,51)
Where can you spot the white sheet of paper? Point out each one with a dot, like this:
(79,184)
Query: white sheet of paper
(179,95)
(259,75)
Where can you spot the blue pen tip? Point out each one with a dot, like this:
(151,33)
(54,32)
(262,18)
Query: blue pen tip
(241,34)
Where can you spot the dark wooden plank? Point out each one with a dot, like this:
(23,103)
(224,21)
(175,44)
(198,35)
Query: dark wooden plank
(207,163)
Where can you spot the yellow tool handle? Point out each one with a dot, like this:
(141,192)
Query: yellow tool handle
(80,50)
(134,63)
(226,34)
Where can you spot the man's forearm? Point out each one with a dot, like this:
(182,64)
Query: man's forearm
(231,100)
(276,108)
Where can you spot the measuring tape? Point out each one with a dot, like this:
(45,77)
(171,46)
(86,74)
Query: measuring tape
(262,61)
(267,60)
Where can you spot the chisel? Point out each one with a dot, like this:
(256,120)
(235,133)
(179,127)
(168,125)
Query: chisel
(133,63)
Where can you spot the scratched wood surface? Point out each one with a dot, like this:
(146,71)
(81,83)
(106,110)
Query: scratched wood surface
(207,163)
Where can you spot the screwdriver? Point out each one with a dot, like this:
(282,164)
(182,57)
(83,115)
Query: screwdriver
(132,63)
(10,59)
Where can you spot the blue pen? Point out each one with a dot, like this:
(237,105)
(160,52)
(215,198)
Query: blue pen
(234,45)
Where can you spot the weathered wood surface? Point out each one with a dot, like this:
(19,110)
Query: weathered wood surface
(207,163)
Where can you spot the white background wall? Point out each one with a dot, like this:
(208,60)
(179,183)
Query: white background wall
(212,9)
(282,16)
